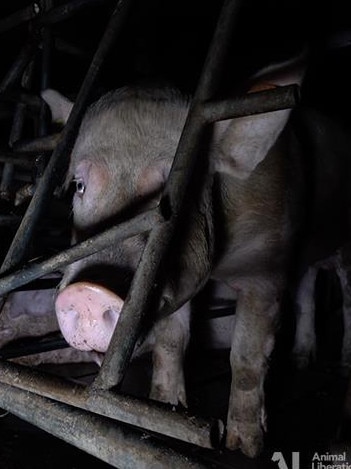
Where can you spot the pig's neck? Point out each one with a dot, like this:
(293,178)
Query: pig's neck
(254,214)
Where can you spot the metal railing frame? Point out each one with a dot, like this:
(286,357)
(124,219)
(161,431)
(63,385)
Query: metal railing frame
(87,408)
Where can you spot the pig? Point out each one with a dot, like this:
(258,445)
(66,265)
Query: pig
(240,232)
(305,344)
(327,232)
(32,314)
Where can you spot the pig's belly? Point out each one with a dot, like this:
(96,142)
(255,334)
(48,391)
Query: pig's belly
(260,255)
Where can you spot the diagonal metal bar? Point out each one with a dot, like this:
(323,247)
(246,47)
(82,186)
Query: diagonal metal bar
(138,300)
(19,17)
(17,69)
(139,224)
(59,159)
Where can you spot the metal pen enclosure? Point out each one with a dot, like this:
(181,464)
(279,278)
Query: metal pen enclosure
(103,420)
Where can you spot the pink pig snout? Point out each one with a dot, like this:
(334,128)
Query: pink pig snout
(87,314)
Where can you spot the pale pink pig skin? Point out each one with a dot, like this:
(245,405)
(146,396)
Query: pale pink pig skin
(120,163)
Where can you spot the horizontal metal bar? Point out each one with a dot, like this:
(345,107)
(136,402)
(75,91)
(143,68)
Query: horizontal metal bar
(117,445)
(24,97)
(139,224)
(32,346)
(35,145)
(252,103)
(9,220)
(17,159)
(152,416)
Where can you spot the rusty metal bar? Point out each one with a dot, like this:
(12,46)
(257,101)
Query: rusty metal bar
(253,103)
(58,163)
(117,445)
(139,224)
(138,300)
(152,416)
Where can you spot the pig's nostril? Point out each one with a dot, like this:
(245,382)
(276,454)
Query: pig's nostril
(109,317)
(87,315)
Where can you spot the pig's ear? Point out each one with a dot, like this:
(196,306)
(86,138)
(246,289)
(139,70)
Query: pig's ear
(153,178)
(241,144)
(59,105)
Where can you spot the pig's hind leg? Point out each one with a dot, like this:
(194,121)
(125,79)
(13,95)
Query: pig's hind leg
(253,339)
(171,337)
(305,337)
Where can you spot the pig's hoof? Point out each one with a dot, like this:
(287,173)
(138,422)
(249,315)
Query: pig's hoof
(302,360)
(246,437)
(304,355)
(174,396)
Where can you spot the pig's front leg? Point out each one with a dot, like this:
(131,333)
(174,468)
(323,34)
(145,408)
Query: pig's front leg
(171,335)
(253,340)
(343,272)
(305,337)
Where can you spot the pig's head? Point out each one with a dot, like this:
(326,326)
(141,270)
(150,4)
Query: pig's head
(119,165)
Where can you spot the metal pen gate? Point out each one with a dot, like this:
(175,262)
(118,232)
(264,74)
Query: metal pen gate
(96,418)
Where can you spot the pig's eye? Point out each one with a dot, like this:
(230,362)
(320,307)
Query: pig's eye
(80,186)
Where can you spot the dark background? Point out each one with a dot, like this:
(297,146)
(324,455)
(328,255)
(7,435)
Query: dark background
(165,42)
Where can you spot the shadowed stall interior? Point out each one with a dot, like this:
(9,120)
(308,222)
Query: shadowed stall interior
(161,44)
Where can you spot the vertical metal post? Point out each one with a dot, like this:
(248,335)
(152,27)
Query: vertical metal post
(138,300)
(16,132)
(45,69)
